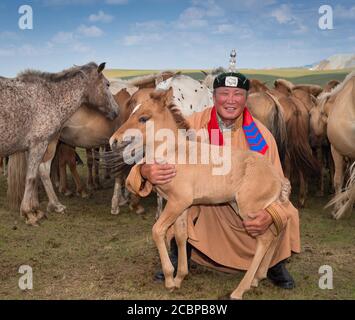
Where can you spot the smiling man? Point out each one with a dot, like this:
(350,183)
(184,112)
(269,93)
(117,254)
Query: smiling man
(218,238)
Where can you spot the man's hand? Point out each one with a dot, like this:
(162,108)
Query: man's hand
(158,173)
(257,223)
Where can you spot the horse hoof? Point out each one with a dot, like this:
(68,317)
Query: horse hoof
(115,211)
(84,195)
(140,210)
(40,215)
(58,208)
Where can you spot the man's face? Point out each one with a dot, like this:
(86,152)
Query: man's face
(229,102)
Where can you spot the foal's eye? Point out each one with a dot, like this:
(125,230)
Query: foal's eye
(143,119)
(108,85)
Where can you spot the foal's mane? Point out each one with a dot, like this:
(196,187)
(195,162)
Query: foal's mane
(35,75)
(173,108)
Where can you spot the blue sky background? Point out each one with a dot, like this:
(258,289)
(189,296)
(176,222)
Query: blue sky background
(163,34)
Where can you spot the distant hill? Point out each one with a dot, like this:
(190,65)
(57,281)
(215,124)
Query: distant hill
(338,61)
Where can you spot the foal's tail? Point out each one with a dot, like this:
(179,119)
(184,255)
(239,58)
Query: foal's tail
(16,179)
(345,200)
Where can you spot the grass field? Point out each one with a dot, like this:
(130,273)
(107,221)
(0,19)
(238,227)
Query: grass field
(90,254)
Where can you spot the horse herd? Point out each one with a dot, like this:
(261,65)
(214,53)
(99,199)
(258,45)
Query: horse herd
(44,116)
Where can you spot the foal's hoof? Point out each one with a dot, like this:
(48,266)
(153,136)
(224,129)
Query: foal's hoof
(115,211)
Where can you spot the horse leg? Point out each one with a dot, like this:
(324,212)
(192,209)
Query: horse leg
(338,174)
(44,171)
(117,195)
(320,157)
(63,173)
(169,215)
(180,231)
(90,181)
(107,169)
(71,161)
(30,204)
(2,167)
(263,243)
(134,204)
(302,190)
(265,263)
(97,183)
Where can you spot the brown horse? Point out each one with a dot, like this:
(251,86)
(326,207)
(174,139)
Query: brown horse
(300,160)
(252,182)
(34,108)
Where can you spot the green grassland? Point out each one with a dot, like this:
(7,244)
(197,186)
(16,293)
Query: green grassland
(88,253)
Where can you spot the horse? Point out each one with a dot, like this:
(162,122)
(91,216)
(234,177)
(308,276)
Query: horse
(336,115)
(252,182)
(34,107)
(300,159)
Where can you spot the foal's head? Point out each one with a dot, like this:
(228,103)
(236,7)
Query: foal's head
(156,110)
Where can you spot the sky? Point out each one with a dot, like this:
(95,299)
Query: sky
(172,34)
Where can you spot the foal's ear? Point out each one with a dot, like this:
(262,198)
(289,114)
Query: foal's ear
(101,67)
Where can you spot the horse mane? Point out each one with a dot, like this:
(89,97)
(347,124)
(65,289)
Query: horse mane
(147,79)
(217,71)
(312,89)
(30,75)
(338,88)
(173,108)
(289,85)
(257,84)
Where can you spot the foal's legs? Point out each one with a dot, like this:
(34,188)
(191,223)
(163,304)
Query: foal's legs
(263,243)
(30,205)
(171,212)
(265,263)
(180,230)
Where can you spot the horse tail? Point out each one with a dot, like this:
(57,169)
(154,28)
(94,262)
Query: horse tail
(345,200)
(278,127)
(16,179)
(285,190)
(299,149)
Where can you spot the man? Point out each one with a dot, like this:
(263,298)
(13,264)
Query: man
(217,236)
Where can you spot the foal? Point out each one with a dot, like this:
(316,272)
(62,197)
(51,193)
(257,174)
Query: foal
(252,182)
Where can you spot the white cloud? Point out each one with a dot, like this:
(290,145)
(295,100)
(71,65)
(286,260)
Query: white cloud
(63,37)
(9,35)
(344,13)
(198,15)
(282,14)
(100,17)
(225,28)
(141,39)
(116,1)
(90,31)
(151,25)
